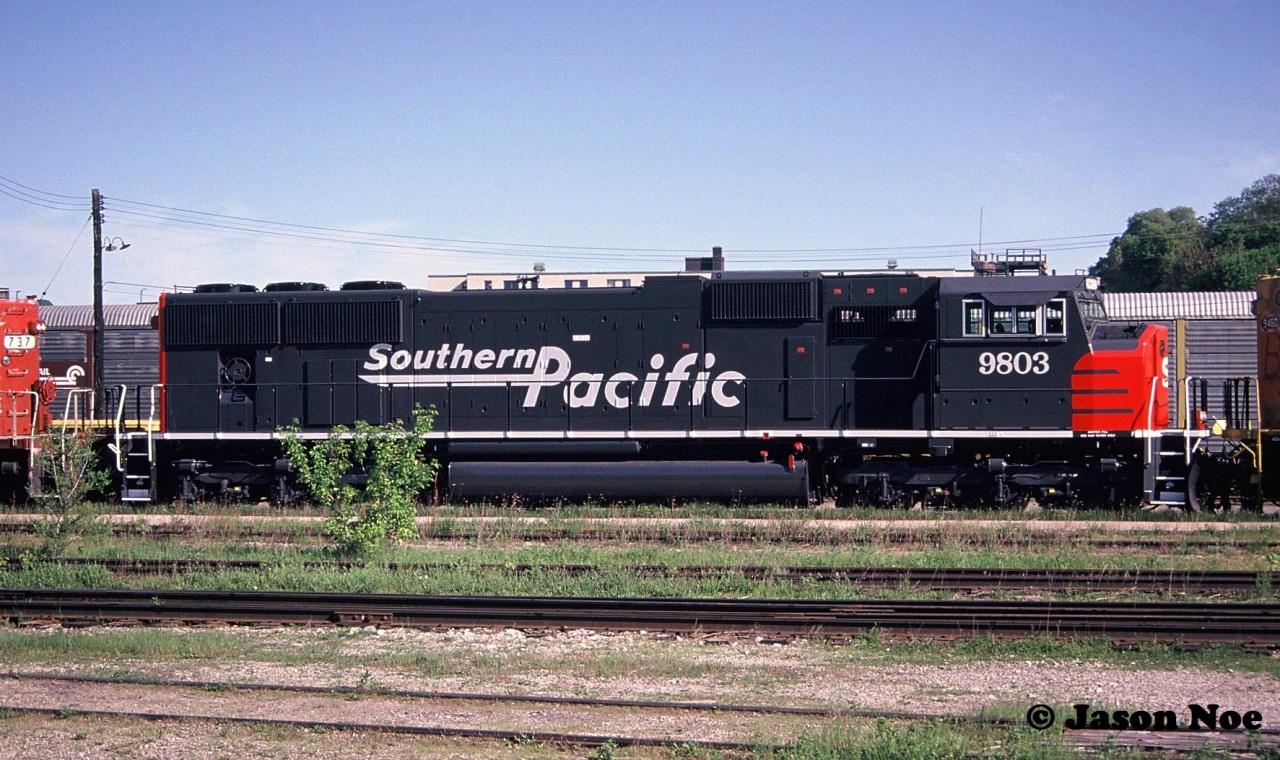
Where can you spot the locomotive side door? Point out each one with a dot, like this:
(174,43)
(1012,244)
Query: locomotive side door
(801,377)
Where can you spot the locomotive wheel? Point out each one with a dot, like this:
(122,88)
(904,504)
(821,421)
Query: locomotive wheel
(1217,483)
(35,479)
(1197,493)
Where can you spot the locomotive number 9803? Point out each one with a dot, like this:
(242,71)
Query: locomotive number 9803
(1013,363)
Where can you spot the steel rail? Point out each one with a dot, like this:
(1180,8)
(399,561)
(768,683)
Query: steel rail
(820,712)
(981,717)
(1182,743)
(941,578)
(577,740)
(1253,625)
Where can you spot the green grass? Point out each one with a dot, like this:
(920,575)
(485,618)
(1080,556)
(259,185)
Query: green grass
(487,565)
(871,650)
(930,740)
(950,544)
(138,643)
(464,575)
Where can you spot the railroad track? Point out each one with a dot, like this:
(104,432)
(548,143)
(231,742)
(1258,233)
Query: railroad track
(926,535)
(939,578)
(449,696)
(1239,744)
(1255,626)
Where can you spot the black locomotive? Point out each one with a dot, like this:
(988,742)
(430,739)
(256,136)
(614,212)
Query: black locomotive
(786,386)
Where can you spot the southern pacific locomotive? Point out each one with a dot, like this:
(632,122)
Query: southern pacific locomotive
(890,388)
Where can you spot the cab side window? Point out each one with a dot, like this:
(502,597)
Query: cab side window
(983,319)
(975,318)
(1002,322)
(1026,320)
(1055,317)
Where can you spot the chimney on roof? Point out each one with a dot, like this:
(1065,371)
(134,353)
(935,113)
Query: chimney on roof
(703,264)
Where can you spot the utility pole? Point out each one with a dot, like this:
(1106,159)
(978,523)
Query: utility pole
(99,322)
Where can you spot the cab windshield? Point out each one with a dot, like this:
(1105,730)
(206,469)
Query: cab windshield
(1092,310)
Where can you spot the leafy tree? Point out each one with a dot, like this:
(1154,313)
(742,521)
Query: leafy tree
(1244,235)
(1159,250)
(1248,220)
(1239,269)
(395,468)
(1173,250)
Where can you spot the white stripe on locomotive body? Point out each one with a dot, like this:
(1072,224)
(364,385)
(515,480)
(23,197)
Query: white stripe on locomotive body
(651,435)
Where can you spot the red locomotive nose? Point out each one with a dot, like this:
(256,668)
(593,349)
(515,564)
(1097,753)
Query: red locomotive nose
(24,397)
(1122,388)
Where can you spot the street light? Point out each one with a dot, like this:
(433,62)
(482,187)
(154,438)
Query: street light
(99,321)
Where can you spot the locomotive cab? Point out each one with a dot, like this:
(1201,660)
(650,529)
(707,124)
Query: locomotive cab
(1006,349)
(1035,398)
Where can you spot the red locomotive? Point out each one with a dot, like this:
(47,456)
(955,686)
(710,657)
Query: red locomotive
(25,396)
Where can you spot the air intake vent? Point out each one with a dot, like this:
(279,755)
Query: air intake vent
(291,287)
(373,285)
(221,324)
(876,321)
(755,301)
(342,322)
(226,287)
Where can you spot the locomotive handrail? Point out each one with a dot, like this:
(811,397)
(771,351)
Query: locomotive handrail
(73,402)
(35,416)
(15,416)
(152,394)
(1241,392)
(277,404)
(924,349)
(1151,404)
(1190,423)
(269,401)
(118,428)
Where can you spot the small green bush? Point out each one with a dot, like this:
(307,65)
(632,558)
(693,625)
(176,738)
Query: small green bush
(70,471)
(396,470)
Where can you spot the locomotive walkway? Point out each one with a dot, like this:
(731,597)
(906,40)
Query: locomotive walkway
(1255,626)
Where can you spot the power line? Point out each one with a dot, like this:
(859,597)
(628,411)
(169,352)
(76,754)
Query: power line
(495,248)
(166,218)
(83,227)
(27,198)
(414,244)
(389,235)
(42,192)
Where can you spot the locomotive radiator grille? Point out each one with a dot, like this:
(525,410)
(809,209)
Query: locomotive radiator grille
(219,324)
(749,301)
(342,322)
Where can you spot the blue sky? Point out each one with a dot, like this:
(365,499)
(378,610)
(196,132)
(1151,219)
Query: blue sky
(619,135)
